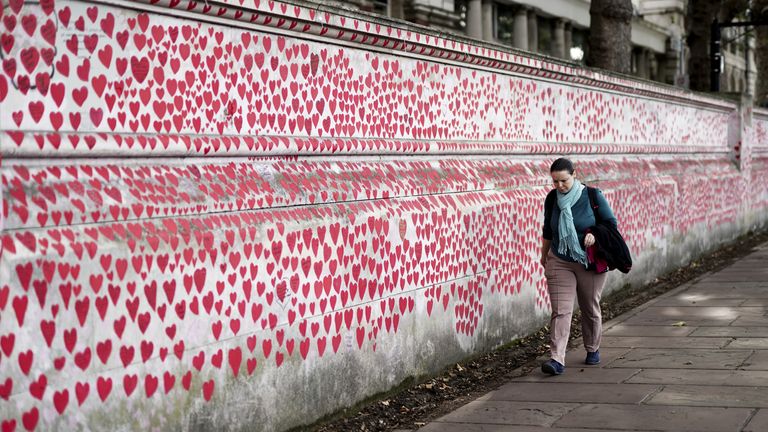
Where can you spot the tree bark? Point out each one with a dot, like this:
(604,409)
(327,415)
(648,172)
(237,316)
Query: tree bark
(701,13)
(610,35)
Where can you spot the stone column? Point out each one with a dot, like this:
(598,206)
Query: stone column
(533,31)
(488,33)
(520,37)
(395,9)
(558,42)
(670,68)
(642,63)
(475,19)
(568,38)
(366,5)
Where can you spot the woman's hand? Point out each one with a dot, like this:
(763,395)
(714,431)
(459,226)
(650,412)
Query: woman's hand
(545,244)
(589,240)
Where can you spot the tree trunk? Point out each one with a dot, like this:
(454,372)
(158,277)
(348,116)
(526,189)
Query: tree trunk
(701,13)
(610,35)
(761,53)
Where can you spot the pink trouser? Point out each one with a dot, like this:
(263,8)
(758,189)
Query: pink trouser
(566,280)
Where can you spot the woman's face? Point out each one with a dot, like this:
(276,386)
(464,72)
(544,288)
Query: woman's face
(563,180)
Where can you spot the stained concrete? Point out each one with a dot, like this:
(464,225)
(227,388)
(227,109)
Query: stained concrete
(761,302)
(509,413)
(694,395)
(749,343)
(730,331)
(572,392)
(667,316)
(660,418)
(639,330)
(665,342)
(584,374)
(575,358)
(701,377)
(751,321)
(655,358)
(470,427)
(702,301)
(758,423)
(757,361)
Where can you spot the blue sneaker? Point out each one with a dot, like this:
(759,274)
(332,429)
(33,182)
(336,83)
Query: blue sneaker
(593,358)
(552,367)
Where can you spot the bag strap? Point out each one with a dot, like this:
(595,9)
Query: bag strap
(592,193)
(549,203)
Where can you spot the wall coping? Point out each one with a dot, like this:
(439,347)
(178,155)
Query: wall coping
(312,20)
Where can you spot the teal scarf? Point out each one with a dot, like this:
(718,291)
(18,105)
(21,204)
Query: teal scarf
(569,239)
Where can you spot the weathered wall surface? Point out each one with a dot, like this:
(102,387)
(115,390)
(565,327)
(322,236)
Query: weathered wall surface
(246,215)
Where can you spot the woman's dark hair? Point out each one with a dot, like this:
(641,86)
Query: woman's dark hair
(562,164)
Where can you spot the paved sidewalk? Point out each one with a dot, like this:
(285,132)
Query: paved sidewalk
(693,359)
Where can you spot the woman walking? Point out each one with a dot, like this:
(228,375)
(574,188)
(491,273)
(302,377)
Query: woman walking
(568,216)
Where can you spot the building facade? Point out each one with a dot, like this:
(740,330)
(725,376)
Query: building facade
(560,28)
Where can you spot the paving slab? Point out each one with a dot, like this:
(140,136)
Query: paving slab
(659,418)
(667,316)
(756,302)
(757,361)
(682,359)
(664,342)
(509,413)
(731,280)
(715,286)
(740,276)
(758,423)
(747,311)
(683,312)
(687,321)
(645,330)
(730,331)
(740,290)
(706,377)
(711,396)
(576,374)
(469,427)
(746,265)
(740,263)
(749,343)
(751,321)
(699,300)
(575,357)
(572,392)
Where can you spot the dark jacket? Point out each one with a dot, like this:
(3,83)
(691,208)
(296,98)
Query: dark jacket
(611,247)
(587,211)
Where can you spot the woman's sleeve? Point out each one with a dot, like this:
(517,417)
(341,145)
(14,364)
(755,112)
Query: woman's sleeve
(546,231)
(604,209)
